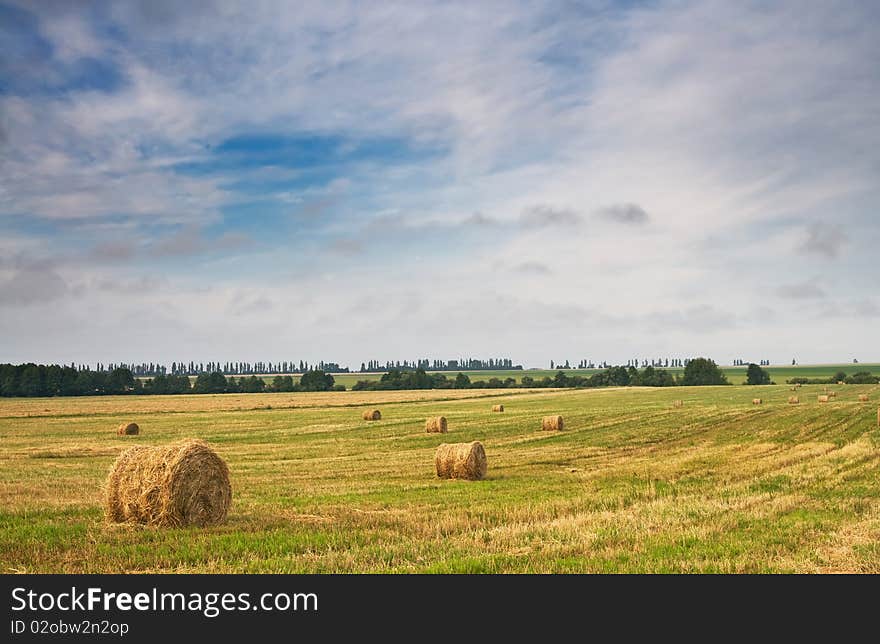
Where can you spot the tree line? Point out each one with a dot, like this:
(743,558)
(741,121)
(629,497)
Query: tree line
(33,380)
(465,364)
(700,371)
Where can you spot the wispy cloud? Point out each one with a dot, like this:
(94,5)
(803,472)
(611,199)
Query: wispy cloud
(544,216)
(808,290)
(823,240)
(625,213)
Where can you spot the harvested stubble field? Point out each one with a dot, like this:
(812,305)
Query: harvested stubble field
(631,484)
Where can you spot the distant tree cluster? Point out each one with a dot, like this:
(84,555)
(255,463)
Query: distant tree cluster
(755,375)
(33,380)
(859,378)
(255,368)
(467,364)
(29,380)
(610,377)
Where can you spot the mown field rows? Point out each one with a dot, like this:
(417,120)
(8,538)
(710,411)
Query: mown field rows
(631,485)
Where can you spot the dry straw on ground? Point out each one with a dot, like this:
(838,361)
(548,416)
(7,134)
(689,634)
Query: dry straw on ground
(181,484)
(497,407)
(436,425)
(128,429)
(372,414)
(863,398)
(757,401)
(552,423)
(823,398)
(793,400)
(461,461)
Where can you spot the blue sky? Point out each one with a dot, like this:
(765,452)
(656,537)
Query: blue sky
(346,181)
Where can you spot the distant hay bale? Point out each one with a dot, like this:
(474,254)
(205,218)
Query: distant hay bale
(461,461)
(863,398)
(757,401)
(128,429)
(497,407)
(678,403)
(793,400)
(832,394)
(372,414)
(823,398)
(841,382)
(436,425)
(181,484)
(552,423)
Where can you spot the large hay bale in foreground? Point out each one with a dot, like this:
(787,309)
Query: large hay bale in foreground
(128,429)
(863,398)
(182,484)
(497,407)
(372,414)
(461,461)
(436,425)
(793,400)
(823,398)
(552,423)
(757,401)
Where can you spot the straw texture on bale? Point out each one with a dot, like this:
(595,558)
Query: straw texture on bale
(793,400)
(823,398)
(181,484)
(128,429)
(497,407)
(757,401)
(461,461)
(863,397)
(436,425)
(372,414)
(552,423)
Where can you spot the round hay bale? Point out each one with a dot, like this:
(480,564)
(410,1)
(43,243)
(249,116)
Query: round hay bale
(823,398)
(832,394)
(757,401)
(497,407)
(461,461)
(436,425)
(181,484)
(372,414)
(552,423)
(841,382)
(863,398)
(793,400)
(128,429)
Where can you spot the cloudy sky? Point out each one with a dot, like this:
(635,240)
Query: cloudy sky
(346,181)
